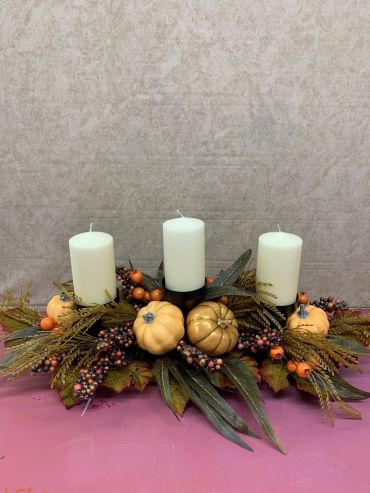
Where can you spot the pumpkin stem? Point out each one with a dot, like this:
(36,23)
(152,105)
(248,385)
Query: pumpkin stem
(149,317)
(302,313)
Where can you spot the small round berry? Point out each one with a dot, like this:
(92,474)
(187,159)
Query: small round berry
(138,293)
(47,323)
(223,300)
(156,294)
(291,366)
(77,387)
(210,280)
(302,298)
(304,369)
(147,297)
(136,276)
(276,352)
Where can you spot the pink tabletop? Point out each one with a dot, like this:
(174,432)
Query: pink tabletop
(131,443)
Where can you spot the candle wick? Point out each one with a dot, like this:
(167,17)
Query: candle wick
(279,229)
(91,225)
(180,213)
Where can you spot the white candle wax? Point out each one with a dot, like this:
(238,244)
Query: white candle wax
(278,263)
(184,254)
(93,267)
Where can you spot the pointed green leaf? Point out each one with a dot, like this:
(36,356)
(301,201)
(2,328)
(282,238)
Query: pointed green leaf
(25,334)
(211,414)
(252,365)
(275,374)
(243,379)
(218,379)
(205,389)
(228,276)
(179,399)
(351,345)
(213,292)
(150,282)
(11,324)
(162,376)
(160,273)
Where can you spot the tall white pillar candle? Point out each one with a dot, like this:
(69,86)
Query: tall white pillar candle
(184,254)
(278,263)
(93,267)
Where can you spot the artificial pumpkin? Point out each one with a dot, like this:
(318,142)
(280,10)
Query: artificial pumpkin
(59,306)
(159,326)
(309,318)
(212,328)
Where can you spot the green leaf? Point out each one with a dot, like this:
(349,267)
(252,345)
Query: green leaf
(66,390)
(160,273)
(150,282)
(229,276)
(179,399)
(211,414)
(162,376)
(205,389)
(218,379)
(9,358)
(20,336)
(136,374)
(252,365)
(213,292)
(275,374)
(243,379)
(306,385)
(351,345)
(11,324)
(345,390)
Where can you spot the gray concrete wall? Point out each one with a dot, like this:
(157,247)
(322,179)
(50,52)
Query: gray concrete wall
(244,113)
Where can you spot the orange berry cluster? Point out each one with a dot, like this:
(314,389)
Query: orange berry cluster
(302,369)
(133,288)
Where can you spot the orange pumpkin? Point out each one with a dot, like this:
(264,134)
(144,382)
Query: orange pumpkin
(212,328)
(309,318)
(159,326)
(59,306)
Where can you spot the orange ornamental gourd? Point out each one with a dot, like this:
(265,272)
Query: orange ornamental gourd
(159,326)
(212,328)
(59,306)
(309,318)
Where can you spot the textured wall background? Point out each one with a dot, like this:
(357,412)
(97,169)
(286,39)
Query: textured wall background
(246,113)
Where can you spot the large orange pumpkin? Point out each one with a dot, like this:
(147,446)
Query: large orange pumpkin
(212,328)
(159,326)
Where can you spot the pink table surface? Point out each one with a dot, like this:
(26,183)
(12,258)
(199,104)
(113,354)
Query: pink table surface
(131,443)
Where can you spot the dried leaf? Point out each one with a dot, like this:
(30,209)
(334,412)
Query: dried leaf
(275,373)
(137,374)
(66,391)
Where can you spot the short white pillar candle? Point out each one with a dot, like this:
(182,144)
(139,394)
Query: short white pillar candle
(278,263)
(93,267)
(184,254)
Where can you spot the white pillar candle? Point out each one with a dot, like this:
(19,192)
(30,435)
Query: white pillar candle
(278,263)
(184,254)
(93,267)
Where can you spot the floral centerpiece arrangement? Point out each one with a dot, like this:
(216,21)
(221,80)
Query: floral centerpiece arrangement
(230,336)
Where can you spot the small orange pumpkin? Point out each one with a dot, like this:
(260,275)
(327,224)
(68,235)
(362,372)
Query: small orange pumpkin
(59,306)
(309,318)
(212,328)
(159,326)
